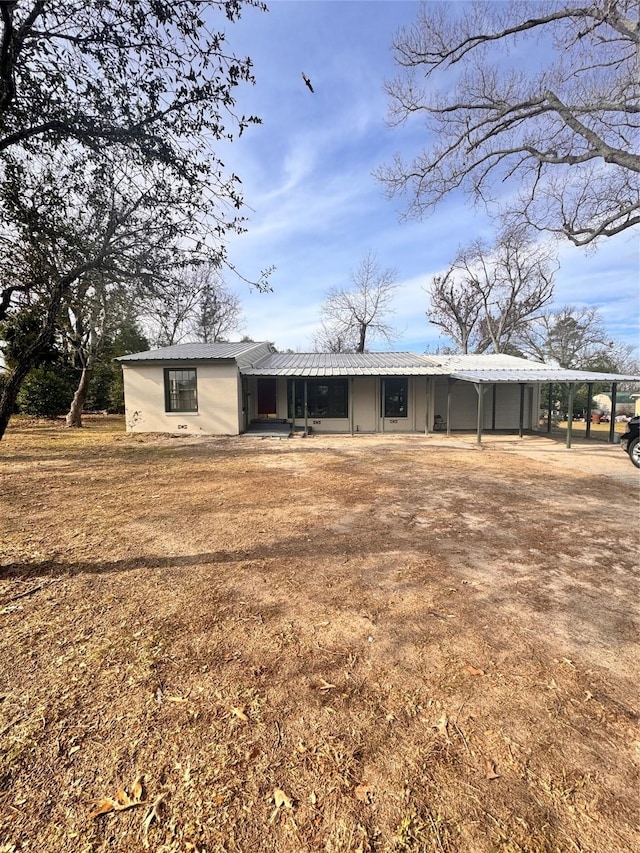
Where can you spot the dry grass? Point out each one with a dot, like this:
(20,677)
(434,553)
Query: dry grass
(330,644)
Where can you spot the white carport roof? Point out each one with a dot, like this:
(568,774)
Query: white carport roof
(539,376)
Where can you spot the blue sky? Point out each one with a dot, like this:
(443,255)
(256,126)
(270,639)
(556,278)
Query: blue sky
(314,208)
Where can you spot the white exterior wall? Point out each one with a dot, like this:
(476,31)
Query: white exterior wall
(364,407)
(219,400)
(220,403)
(365,402)
(464,405)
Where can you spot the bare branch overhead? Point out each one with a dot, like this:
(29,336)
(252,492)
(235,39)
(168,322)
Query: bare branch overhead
(540,97)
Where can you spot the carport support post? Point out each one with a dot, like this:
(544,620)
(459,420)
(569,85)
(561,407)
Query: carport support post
(293,407)
(550,407)
(382,398)
(449,384)
(306,410)
(570,414)
(521,429)
(493,407)
(427,405)
(612,419)
(589,405)
(351,414)
(480,392)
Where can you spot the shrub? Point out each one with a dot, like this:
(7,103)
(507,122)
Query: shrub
(46,393)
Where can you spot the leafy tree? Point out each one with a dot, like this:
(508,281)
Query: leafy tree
(45,392)
(562,131)
(489,295)
(109,116)
(352,315)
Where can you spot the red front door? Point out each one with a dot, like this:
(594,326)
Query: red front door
(267,398)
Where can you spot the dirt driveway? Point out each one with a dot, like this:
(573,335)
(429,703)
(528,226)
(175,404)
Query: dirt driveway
(331,643)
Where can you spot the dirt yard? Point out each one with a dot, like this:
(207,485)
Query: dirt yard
(322,644)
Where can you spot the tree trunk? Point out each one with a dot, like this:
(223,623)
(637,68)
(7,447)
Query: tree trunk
(74,415)
(362,336)
(11,389)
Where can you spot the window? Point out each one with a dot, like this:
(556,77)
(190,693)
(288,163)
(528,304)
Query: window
(180,391)
(326,398)
(395,398)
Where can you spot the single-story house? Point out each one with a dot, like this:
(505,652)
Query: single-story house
(233,388)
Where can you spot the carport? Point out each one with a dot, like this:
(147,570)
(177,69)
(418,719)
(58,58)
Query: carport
(484,381)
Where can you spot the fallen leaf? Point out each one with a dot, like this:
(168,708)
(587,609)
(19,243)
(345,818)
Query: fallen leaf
(281,799)
(364,793)
(104,806)
(490,767)
(240,714)
(313,798)
(137,789)
(443,727)
(122,800)
(73,751)
(177,699)
(253,754)
(325,685)
(151,815)
(473,671)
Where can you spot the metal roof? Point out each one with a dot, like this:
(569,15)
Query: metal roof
(489,361)
(199,352)
(539,374)
(312,364)
(257,359)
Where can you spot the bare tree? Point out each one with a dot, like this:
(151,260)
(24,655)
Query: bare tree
(195,304)
(219,310)
(568,336)
(489,295)
(563,132)
(352,315)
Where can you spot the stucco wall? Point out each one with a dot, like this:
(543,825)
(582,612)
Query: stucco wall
(220,404)
(464,406)
(219,400)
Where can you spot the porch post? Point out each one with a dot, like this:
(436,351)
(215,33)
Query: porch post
(570,414)
(550,407)
(293,407)
(382,390)
(612,420)
(306,410)
(589,405)
(521,428)
(449,385)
